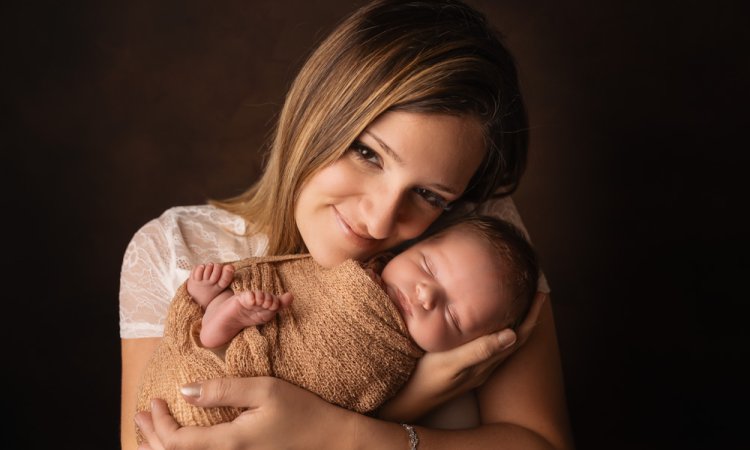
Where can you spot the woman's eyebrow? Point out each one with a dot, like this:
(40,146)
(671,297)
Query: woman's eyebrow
(385,147)
(394,155)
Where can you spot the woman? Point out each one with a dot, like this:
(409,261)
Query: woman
(406,110)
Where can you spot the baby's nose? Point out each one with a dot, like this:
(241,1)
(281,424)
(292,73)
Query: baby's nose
(426,295)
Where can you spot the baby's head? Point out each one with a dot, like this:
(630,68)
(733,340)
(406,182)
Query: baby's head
(476,276)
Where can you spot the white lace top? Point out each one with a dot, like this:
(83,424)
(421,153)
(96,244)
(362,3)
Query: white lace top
(160,255)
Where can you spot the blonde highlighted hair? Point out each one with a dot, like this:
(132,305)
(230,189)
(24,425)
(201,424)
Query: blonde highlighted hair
(417,56)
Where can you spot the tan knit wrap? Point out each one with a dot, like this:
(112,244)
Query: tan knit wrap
(342,339)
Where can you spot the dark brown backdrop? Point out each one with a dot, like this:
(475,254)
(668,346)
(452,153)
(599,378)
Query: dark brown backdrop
(120,110)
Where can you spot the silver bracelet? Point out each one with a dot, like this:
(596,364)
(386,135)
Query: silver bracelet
(413,438)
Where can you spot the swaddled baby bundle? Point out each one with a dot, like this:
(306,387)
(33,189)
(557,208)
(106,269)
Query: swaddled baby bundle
(342,338)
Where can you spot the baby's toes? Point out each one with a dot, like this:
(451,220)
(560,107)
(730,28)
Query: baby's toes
(274,303)
(214,272)
(267,300)
(285,299)
(247,299)
(226,276)
(197,272)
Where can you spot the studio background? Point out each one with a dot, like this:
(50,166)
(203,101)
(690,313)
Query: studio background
(633,194)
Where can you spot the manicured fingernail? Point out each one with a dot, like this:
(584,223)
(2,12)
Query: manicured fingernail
(191,390)
(506,338)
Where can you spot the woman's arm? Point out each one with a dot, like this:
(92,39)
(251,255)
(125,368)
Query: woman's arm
(532,384)
(135,355)
(522,404)
(316,424)
(528,392)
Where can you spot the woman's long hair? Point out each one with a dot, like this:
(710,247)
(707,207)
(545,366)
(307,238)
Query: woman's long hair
(416,56)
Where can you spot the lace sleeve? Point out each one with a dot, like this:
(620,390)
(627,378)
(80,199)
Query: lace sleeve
(505,209)
(160,255)
(145,291)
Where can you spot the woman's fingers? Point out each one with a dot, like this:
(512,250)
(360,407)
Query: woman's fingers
(482,349)
(146,426)
(483,354)
(440,376)
(235,392)
(489,349)
(163,422)
(162,431)
(273,407)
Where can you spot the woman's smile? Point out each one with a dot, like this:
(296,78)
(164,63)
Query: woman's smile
(359,238)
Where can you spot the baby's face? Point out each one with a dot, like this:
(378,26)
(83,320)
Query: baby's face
(447,288)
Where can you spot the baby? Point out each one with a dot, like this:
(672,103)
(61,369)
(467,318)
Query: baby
(351,333)
(473,278)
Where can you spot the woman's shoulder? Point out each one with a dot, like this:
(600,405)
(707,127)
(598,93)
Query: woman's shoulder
(199,233)
(204,216)
(185,222)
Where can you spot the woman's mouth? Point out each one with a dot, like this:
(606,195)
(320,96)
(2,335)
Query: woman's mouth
(359,238)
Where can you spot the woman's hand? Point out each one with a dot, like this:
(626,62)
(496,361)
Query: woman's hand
(441,376)
(279,414)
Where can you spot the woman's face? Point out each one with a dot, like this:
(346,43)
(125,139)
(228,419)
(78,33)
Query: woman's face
(391,184)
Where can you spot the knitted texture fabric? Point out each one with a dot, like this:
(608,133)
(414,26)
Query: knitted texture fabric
(342,338)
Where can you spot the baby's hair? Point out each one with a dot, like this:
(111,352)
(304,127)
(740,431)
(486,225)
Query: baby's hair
(520,264)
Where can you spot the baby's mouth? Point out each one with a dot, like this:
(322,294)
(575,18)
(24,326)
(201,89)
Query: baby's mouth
(399,300)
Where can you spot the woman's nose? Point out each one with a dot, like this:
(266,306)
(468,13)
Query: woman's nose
(381,212)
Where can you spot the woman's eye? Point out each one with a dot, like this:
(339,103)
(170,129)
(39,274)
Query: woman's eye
(432,199)
(365,153)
